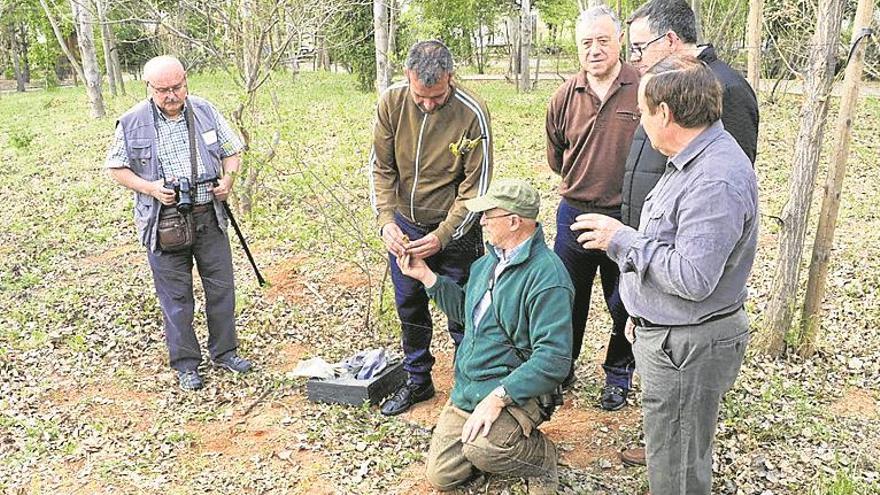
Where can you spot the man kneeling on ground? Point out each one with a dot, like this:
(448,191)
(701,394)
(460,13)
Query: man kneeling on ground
(516,309)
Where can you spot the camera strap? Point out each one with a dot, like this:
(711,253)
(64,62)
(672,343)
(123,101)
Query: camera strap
(547,403)
(491,288)
(191,133)
(189,120)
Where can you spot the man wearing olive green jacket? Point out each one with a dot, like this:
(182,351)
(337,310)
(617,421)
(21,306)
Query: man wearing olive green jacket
(516,310)
(432,150)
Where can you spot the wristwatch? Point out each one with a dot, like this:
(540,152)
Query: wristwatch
(502,394)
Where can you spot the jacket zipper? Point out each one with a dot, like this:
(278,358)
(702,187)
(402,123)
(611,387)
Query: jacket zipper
(412,196)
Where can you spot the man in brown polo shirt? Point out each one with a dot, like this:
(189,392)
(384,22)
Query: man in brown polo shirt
(590,124)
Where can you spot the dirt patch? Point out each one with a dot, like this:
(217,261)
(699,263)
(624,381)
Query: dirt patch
(241,437)
(288,357)
(856,403)
(588,435)
(351,278)
(110,402)
(412,480)
(128,254)
(426,413)
(285,281)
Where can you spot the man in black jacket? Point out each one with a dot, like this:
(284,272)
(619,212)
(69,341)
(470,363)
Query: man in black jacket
(657,29)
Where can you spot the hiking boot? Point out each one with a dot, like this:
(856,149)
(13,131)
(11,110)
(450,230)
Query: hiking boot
(407,395)
(633,457)
(233,362)
(189,380)
(549,483)
(613,397)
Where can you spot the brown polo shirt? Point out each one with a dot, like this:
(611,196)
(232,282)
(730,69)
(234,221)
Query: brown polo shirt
(588,140)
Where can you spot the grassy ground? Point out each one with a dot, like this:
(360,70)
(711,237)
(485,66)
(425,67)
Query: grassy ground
(88,404)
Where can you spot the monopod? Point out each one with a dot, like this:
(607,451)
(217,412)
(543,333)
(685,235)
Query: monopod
(214,181)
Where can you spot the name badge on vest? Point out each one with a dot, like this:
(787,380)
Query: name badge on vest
(209,137)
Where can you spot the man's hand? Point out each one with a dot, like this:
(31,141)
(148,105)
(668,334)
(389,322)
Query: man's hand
(417,268)
(599,229)
(484,415)
(424,247)
(160,192)
(394,241)
(223,188)
(629,331)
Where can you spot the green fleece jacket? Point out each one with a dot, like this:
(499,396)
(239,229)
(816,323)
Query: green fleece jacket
(533,298)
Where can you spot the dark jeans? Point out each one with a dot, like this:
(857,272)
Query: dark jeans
(172,276)
(412,302)
(582,265)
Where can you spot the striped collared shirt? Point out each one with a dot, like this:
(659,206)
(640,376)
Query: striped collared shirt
(173,149)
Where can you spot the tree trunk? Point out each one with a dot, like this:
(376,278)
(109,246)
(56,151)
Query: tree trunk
(105,44)
(117,67)
(380,37)
(814,110)
(23,47)
(62,43)
(698,19)
(513,43)
(753,43)
(16,62)
(811,317)
(392,35)
(525,82)
(83,22)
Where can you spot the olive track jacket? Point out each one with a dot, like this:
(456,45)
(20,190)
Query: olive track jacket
(413,170)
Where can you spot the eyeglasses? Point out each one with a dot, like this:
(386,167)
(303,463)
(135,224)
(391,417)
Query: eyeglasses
(172,89)
(487,217)
(636,50)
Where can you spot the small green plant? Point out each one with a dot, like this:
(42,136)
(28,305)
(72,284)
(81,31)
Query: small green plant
(21,138)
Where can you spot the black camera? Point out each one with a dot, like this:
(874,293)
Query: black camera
(183,194)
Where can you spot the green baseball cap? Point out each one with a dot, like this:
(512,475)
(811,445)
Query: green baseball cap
(513,195)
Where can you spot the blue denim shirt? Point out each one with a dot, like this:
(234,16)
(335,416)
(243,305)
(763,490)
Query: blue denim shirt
(696,242)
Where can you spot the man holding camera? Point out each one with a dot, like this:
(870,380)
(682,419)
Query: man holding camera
(516,312)
(164,149)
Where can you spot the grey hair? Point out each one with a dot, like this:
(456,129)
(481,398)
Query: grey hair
(595,13)
(429,61)
(669,15)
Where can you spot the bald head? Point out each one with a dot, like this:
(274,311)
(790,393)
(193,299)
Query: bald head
(162,67)
(166,79)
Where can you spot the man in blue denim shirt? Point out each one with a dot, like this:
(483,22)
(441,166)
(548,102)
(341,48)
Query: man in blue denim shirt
(684,272)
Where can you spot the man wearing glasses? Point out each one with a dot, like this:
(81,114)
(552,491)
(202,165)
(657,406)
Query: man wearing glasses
(657,29)
(516,313)
(590,124)
(160,142)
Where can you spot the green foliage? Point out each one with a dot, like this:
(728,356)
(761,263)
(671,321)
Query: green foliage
(350,36)
(844,482)
(21,137)
(457,23)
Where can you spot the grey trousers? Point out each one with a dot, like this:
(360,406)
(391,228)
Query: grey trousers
(172,276)
(514,447)
(685,371)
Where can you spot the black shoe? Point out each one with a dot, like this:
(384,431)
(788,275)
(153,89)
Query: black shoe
(407,395)
(233,362)
(190,380)
(613,397)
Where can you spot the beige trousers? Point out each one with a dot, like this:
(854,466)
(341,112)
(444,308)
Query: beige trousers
(514,447)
